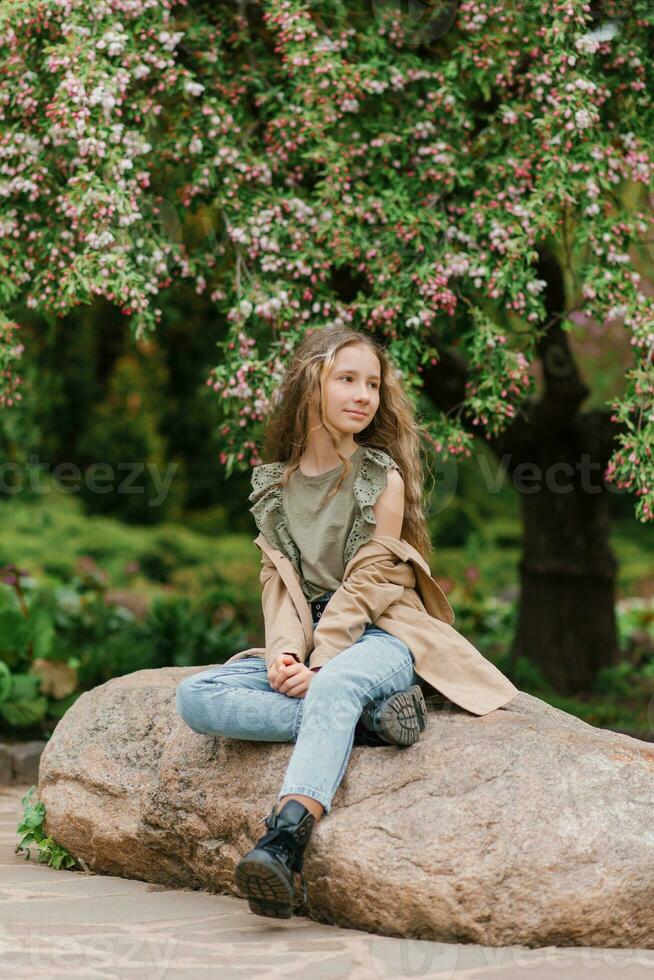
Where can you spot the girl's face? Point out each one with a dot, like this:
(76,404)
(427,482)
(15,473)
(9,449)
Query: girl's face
(352,386)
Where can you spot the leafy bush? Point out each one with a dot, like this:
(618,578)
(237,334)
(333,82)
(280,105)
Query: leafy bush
(124,433)
(636,627)
(56,643)
(633,675)
(165,553)
(32,829)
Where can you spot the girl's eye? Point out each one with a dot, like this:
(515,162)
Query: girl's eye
(348,377)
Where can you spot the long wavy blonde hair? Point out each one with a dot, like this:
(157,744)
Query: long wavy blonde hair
(394,428)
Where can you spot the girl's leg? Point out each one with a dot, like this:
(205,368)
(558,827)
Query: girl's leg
(378,664)
(236,700)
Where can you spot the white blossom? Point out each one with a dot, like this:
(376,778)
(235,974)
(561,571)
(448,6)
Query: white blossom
(590,42)
(99,240)
(168,40)
(193,88)
(326,44)
(349,105)
(100,95)
(583,118)
(459,264)
(375,85)
(113,41)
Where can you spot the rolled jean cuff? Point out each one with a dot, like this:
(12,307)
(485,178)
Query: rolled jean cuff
(315,794)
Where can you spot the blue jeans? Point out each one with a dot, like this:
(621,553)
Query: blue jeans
(237,701)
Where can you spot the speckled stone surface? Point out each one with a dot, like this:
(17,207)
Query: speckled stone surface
(525,826)
(70,924)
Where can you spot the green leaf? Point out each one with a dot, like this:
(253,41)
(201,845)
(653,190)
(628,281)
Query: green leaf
(22,714)
(43,632)
(24,687)
(14,634)
(34,818)
(5,681)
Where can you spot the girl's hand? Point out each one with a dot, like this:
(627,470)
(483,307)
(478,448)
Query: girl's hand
(281,660)
(293,680)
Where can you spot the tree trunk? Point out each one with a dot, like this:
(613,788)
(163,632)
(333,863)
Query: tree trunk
(556,456)
(566,618)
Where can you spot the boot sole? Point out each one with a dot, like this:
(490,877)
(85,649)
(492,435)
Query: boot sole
(403,716)
(267,889)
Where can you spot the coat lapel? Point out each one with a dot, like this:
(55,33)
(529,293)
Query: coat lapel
(292,583)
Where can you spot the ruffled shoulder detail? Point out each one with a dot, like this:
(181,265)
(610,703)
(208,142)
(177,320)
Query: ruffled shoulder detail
(268,505)
(268,510)
(369,483)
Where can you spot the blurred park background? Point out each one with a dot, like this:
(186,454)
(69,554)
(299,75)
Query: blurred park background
(101,580)
(114,585)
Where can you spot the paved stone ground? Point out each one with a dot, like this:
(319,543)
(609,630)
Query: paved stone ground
(63,923)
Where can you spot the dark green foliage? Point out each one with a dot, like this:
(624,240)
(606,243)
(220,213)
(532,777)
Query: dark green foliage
(32,827)
(77,628)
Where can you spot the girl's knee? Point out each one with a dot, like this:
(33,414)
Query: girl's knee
(187,696)
(196,687)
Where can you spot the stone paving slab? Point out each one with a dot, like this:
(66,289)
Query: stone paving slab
(70,924)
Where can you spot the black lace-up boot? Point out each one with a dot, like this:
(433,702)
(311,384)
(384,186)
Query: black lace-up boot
(395,720)
(265,874)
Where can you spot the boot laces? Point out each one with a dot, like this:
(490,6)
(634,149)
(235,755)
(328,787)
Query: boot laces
(280,839)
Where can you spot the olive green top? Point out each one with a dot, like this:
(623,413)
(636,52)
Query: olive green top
(320,524)
(318,535)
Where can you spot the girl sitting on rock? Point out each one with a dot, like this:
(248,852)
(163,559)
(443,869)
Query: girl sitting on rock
(355,625)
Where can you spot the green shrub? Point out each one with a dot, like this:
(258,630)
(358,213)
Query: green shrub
(32,828)
(124,432)
(87,640)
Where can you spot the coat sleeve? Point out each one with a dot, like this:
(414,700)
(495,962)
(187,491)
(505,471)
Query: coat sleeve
(363,597)
(283,629)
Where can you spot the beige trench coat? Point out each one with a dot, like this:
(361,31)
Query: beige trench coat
(388,583)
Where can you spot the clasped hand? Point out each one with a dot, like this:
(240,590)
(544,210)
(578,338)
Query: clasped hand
(289,677)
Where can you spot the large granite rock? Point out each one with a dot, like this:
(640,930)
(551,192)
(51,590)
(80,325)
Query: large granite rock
(525,826)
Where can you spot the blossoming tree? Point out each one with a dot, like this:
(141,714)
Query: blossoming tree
(460,184)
